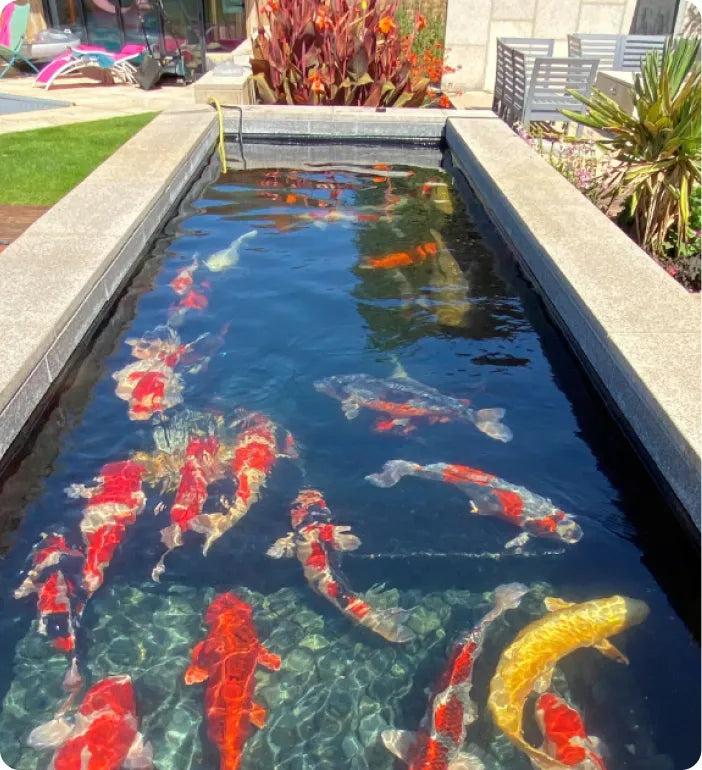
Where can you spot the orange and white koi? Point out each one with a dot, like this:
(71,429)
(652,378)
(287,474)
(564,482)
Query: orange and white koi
(527,664)
(413,256)
(251,458)
(406,401)
(438,745)
(491,496)
(316,542)
(103,734)
(564,734)
(200,468)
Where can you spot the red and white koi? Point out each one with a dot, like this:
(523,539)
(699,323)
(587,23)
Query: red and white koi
(148,387)
(316,542)
(201,466)
(438,744)
(564,735)
(55,577)
(251,458)
(183,281)
(492,496)
(102,735)
(113,504)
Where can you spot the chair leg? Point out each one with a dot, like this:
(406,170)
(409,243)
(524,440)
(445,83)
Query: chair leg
(33,66)
(7,67)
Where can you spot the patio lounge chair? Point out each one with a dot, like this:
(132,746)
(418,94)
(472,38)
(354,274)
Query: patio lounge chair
(120,64)
(13,28)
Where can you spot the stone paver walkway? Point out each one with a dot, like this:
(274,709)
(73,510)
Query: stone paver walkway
(90,100)
(14,220)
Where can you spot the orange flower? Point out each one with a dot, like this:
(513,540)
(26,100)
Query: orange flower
(445,102)
(315,81)
(421,22)
(386,25)
(270,7)
(322,20)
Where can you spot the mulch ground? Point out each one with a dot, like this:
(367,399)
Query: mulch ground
(14,220)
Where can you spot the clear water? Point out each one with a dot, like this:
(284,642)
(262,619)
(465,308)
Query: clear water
(299,308)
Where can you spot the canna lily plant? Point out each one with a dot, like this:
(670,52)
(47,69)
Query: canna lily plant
(656,152)
(345,52)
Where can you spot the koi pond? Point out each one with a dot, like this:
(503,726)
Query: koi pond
(329,490)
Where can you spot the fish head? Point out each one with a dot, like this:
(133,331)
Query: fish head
(229,604)
(567,529)
(636,611)
(113,694)
(335,387)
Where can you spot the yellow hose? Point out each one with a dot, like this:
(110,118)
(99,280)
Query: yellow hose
(222,154)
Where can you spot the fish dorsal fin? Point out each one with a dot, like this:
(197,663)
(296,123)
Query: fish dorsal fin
(543,681)
(401,743)
(269,659)
(350,408)
(258,715)
(608,649)
(553,604)
(195,673)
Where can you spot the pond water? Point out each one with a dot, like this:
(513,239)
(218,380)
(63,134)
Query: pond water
(266,284)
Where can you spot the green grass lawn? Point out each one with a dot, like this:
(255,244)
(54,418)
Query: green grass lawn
(39,167)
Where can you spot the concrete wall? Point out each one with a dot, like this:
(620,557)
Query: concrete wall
(472,27)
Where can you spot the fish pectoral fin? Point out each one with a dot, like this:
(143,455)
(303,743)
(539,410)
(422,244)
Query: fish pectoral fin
(552,604)
(350,408)
(212,526)
(283,548)
(401,743)
(465,761)
(518,542)
(344,540)
(194,674)
(140,755)
(269,659)
(258,715)
(51,734)
(543,681)
(608,649)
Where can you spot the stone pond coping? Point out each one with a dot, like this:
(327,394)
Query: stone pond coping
(633,326)
(635,329)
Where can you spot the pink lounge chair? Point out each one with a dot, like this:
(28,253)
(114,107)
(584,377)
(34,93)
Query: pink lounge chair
(119,64)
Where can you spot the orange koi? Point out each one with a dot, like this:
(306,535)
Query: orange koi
(226,659)
(414,256)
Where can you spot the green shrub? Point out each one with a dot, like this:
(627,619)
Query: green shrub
(655,153)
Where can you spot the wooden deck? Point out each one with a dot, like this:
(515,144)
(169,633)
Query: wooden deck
(14,220)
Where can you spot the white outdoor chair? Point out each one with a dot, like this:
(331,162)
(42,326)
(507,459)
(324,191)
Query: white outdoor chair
(616,52)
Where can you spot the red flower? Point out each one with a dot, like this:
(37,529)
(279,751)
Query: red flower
(270,7)
(421,22)
(386,25)
(444,101)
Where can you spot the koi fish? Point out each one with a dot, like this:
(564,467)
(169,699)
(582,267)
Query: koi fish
(448,297)
(192,299)
(229,257)
(316,542)
(148,387)
(183,281)
(55,577)
(406,401)
(564,734)
(251,459)
(103,735)
(438,743)
(322,219)
(491,496)
(226,659)
(527,664)
(113,504)
(200,468)
(414,256)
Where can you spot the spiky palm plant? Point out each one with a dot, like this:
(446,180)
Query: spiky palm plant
(656,152)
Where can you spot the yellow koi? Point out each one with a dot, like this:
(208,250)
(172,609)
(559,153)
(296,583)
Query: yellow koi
(527,664)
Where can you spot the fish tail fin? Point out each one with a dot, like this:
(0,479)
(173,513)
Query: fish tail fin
(390,624)
(73,680)
(392,472)
(212,526)
(489,422)
(539,758)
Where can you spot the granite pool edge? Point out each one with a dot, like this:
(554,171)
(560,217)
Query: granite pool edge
(633,327)
(61,276)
